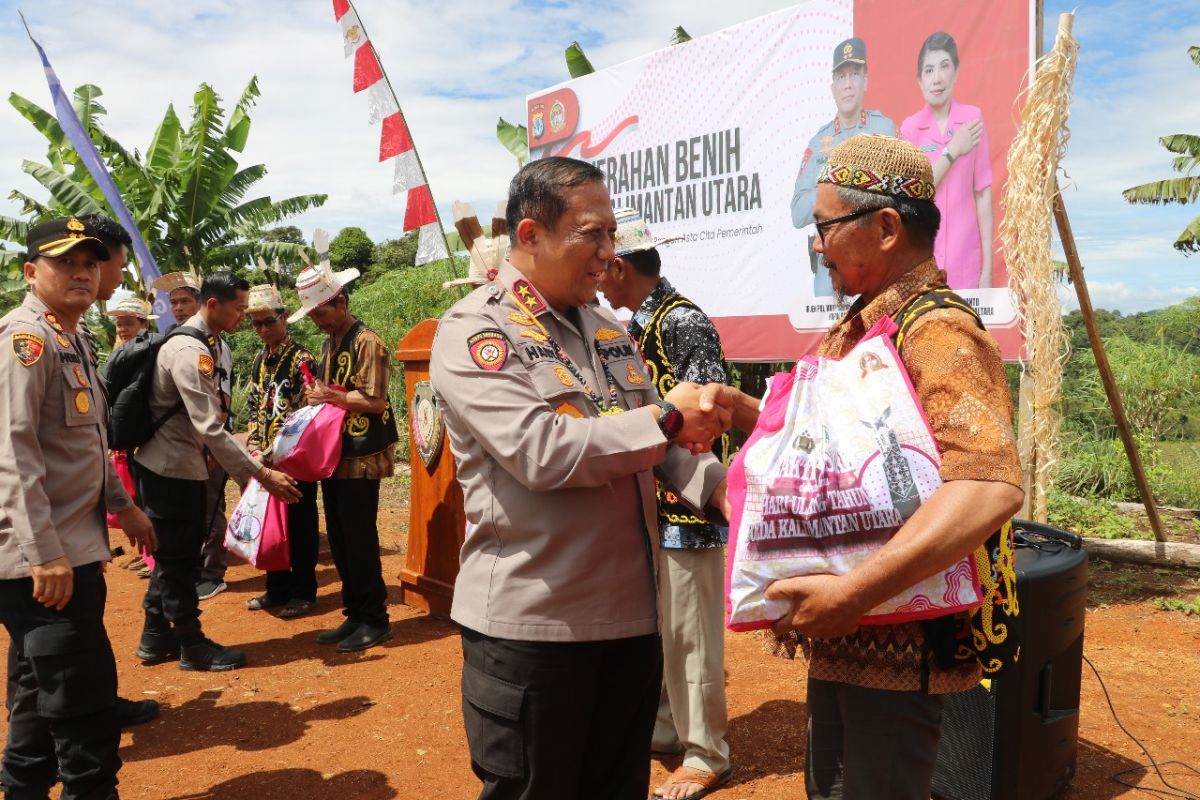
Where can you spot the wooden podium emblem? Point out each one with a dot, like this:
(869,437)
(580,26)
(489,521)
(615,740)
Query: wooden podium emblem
(427,428)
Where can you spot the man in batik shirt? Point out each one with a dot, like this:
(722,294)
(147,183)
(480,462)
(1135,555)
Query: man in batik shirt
(276,390)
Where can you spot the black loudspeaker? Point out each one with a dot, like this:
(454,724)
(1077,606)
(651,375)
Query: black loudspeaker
(1015,737)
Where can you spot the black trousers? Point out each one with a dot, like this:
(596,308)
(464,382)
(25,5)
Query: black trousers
(351,508)
(561,719)
(176,507)
(212,551)
(870,744)
(62,693)
(300,581)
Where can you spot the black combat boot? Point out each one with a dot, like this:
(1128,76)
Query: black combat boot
(159,643)
(201,654)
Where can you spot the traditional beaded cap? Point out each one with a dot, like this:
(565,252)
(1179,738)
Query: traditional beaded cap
(872,162)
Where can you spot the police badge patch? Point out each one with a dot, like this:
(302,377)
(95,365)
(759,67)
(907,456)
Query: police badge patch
(27,347)
(427,428)
(205,365)
(488,349)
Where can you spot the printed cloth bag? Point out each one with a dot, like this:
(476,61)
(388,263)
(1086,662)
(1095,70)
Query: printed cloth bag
(841,456)
(309,443)
(257,530)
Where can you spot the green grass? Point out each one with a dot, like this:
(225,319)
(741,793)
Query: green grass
(1181,483)
(1182,604)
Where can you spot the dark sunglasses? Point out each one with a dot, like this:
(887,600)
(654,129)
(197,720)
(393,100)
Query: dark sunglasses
(821,226)
(263,323)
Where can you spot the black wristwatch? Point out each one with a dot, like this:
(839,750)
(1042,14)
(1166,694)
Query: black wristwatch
(670,419)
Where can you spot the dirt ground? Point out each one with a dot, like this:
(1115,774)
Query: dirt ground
(302,721)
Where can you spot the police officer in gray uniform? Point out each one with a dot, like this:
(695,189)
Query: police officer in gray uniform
(171,471)
(849,87)
(56,483)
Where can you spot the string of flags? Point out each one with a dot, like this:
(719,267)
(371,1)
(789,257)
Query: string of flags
(395,140)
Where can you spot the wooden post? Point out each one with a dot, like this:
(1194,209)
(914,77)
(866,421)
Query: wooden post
(436,523)
(1075,269)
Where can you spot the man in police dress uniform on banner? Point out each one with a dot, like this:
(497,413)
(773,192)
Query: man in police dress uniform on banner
(557,431)
(56,483)
(849,90)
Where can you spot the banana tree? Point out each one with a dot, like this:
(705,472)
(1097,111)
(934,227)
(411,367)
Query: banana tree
(1177,190)
(187,193)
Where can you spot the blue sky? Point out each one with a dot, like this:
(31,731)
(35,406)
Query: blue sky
(458,70)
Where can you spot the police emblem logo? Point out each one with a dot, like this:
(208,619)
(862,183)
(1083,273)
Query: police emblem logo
(558,116)
(75,225)
(53,320)
(608,335)
(205,364)
(537,121)
(488,349)
(27,347)
(80,375)
(83,403)
(427,427)
(63,341)
(633,375)
(564,376)
(848,51)
(569,410)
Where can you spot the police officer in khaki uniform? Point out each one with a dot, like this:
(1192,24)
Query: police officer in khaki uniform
(56,483)
(171,471)
(557,430)
(849,89)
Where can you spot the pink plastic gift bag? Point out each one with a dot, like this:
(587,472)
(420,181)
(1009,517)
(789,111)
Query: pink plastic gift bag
(309,443)
(121,464)
(841,457)
(257,530)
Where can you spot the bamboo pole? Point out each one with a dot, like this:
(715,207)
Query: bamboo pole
(1075,269)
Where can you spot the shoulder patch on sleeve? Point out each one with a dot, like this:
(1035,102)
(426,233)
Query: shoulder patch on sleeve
(204,363)
(488,349)
(28,348)
(807,156)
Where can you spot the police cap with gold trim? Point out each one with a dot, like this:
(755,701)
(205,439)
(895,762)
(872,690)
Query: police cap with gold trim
(57,236)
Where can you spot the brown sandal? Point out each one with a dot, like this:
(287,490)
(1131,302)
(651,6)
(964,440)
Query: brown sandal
(708,782)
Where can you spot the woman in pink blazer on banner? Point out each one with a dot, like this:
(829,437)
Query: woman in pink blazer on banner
(952,135)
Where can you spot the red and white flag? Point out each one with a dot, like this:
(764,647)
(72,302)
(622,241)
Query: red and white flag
(395,140)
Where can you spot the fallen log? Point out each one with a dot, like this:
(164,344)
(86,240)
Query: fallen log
(1139,551)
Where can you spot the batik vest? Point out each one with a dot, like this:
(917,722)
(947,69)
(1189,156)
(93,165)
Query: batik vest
(662,373)
(362,434)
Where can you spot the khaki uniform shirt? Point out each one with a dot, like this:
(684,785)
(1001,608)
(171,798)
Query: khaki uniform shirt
(186,370)
(55,477)
(560,501)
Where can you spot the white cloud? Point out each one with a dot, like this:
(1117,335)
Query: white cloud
(455,71)
(1126,298)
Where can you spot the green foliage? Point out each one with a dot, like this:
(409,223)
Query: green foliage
(515,139)
(577,63)
(1177,190)
(187,193)
(1181,604)
(351,248)
(1090,517)
(394,254)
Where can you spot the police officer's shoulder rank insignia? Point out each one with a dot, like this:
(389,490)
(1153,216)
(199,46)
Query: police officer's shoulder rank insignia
(28,347)
(205,365)
(488,349)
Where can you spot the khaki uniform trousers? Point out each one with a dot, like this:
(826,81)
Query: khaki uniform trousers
(692,713)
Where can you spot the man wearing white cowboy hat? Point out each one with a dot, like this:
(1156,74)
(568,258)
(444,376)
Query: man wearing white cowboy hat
(352,372)
(680,344)
(131,316)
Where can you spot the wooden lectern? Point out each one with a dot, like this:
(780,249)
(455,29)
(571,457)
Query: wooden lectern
(436,523)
